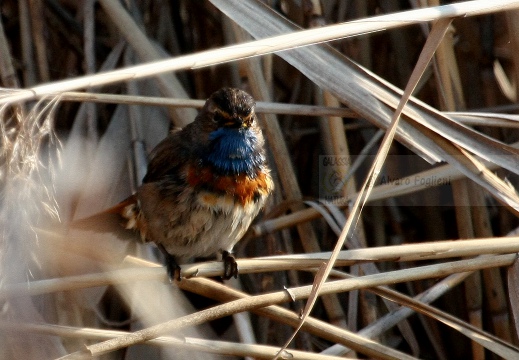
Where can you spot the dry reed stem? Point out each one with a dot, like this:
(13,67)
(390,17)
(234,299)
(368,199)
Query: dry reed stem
(408,252)
(513,293)
(7,72)
(499,345)
(266,46)
(285,170)
(314,326)
(452,99)
(368,268)
(184,343)
(293,294)
(430,46)
(29,72)
(130,275)
(494,289)
(394,317)
(334,139)
(261,106)
(38,31)
(511,22)
(222,293)
(90,64)
(465,117)
(148,52)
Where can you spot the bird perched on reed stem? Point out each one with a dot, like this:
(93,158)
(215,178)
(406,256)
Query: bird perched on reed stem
(204,185)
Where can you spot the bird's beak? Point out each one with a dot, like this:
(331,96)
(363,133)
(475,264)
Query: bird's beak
(235,122)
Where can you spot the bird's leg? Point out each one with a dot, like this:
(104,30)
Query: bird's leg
(230,266)
(171,264)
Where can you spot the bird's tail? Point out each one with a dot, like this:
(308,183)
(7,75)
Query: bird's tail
(119,220)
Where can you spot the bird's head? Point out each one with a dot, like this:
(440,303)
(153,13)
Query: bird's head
(232,140)
(229,108)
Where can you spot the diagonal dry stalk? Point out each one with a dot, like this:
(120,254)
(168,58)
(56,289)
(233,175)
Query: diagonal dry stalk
(434,39)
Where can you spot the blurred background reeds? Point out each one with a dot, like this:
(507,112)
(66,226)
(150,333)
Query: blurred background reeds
(428,268)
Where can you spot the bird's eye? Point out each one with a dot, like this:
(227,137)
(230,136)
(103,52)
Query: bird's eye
(217,117)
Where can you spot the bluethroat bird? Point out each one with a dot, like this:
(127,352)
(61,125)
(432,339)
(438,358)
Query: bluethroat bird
(203,187)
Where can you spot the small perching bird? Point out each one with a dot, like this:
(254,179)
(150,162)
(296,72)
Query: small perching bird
(204,185)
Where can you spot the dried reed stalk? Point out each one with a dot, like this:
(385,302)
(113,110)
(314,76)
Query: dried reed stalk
(411,252)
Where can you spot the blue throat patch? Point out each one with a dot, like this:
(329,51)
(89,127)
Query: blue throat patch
(234,151)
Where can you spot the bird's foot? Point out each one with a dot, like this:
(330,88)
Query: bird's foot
(230,266)
(172,267)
